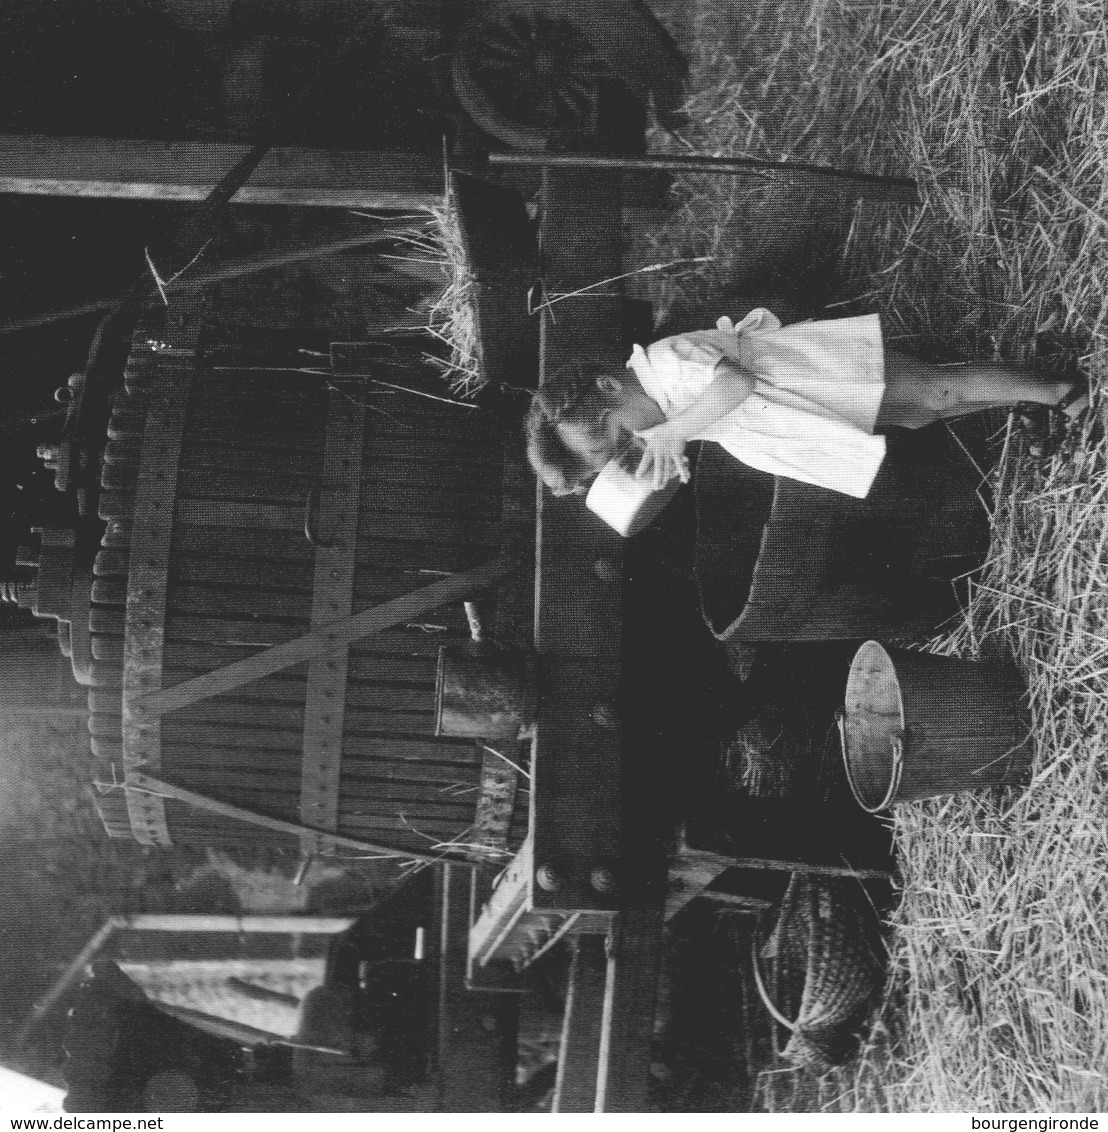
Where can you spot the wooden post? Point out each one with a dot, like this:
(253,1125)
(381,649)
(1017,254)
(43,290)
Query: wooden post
(188,171)
(576,791)
(213,922)
(630,996)
(578,1060)
(473,1072)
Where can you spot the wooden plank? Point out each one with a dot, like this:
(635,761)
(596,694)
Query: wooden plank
(689,876)
(239,598)
(107,643)
(421,801)
(630,993)
(472,518)
(216,454)
(578,608)
(575,769)
(509,900)
(283,710)
(475,1069)
(365,774)
(271,559)
(384,747)
(332,596)
(579,1056)
(189,170)
(578,605)
(695,864)
(498,977)
(204,802)
(578,599)
(189,922)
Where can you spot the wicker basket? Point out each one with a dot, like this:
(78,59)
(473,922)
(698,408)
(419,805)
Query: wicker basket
(821,962)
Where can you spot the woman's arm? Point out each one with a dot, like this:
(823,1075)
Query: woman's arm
(664,444)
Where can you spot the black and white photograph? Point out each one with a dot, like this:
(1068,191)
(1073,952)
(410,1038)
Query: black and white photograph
(554,559)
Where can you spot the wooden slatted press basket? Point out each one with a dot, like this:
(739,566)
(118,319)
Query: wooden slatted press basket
(285,552)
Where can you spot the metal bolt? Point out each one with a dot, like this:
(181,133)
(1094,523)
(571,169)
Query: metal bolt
(606,569)
(602,879)
(604,715)
(548,878)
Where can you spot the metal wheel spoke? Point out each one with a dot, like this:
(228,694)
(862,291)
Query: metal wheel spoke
(529,75)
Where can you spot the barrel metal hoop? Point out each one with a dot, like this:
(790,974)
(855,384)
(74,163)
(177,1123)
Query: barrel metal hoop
(147,576)
(336,518)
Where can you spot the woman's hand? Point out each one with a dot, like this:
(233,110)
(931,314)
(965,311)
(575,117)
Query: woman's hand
(663,455)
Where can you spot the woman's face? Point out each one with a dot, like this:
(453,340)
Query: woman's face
(628,410)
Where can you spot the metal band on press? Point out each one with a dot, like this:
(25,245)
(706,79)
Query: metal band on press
(147,576)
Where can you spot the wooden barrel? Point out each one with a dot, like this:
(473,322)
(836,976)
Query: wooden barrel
(779,560)
(249,508)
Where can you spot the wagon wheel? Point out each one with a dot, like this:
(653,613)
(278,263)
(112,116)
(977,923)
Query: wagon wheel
(526,76)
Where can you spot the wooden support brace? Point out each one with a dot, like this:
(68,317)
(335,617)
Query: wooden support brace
(136,783)
(579,1057)
(627,1026)
(336,544)
(189,170)
(693,870)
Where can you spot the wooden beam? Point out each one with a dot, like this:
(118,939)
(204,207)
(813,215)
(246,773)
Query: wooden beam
(576,789)
(509,902)
(213,922)
(689,875)
(630,994)
(691,860)
(130,169)
(579,1056)
(474,1069)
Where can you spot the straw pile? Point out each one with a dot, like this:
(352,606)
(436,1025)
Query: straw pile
(999,995)
(453,316)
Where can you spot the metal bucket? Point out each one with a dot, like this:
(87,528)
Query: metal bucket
(917,725)
(484,691)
